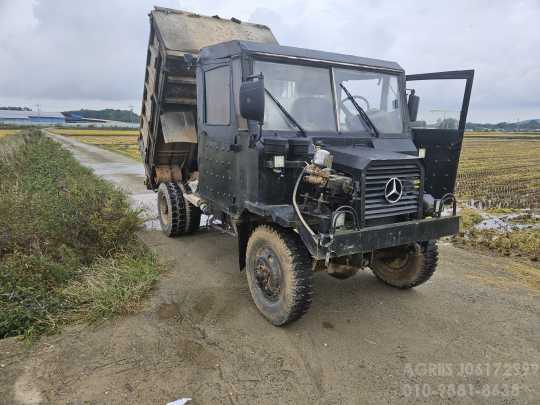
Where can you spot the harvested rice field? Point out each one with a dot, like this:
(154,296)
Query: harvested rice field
(500,171)
(117,140)
(6,132)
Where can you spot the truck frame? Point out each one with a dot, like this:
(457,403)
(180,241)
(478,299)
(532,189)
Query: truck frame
(314,161)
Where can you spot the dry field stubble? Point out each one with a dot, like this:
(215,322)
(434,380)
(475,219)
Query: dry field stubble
(500,171)
(6,132)
(123,141)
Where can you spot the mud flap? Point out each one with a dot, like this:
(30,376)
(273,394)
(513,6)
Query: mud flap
(243,230)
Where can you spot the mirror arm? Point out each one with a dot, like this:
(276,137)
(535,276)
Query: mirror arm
(260,76)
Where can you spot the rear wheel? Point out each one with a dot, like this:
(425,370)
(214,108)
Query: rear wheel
(176,215)
(193,214)
(279,274)
(406,266)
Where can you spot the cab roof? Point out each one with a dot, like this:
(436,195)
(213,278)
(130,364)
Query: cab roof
(233,48)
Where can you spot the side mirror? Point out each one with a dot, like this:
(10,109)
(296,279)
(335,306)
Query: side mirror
(252,100)
(412,104)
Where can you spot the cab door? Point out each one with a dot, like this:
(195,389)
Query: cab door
(440,124)
(216,131)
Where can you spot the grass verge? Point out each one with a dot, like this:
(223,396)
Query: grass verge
(68,249)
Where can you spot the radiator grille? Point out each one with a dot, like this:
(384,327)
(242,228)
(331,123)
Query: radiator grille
(377,175)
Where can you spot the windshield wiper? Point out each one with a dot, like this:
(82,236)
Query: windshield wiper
(284,111)
(361,111)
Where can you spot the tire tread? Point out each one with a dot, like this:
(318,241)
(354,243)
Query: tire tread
(430,259)
(302,291)
(185,217)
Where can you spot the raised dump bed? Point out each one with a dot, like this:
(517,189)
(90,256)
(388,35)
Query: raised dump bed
(168,135)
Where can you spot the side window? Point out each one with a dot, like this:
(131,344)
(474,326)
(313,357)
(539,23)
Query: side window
(217,84)
(440,102)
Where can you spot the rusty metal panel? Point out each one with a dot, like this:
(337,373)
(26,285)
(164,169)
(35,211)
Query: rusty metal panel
(179,126)
(144,131)
(148,106)
(187,32)
(168,173)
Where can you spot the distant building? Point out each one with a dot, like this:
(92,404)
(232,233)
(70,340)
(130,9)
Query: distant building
(11,117)
(76,118)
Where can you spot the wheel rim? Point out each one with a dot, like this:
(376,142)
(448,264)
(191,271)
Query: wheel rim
(268,275)
(164,209)
(396,262)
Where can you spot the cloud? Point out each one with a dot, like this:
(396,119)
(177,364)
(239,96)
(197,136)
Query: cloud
(77,50)
(74,49)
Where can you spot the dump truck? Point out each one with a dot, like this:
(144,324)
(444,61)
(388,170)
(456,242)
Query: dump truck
(315,161)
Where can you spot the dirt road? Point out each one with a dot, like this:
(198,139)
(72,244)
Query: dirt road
(466,336)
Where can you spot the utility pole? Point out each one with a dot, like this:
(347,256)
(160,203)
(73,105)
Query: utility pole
(38,110)
(131,115)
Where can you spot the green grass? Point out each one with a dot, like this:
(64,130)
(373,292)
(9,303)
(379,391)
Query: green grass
(68,248)
(113,285)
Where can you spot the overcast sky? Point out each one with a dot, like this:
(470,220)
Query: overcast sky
(68,54)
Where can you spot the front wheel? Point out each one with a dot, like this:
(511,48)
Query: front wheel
(406,266)
(279,274)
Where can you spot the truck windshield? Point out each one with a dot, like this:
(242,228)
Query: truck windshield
(376,93)
(304,91)
(306,94)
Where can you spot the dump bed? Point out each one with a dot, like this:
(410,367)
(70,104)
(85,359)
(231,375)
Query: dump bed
(168,134)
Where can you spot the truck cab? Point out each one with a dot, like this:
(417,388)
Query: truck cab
(315,161)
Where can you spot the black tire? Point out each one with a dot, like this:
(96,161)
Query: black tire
(279,274)
(176,215)
(343,268)
(193,215)
(344,275)
(406,266)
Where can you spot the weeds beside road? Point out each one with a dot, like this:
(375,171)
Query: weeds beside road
(68,249)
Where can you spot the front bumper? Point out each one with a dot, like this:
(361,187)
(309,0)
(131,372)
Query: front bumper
(383,236)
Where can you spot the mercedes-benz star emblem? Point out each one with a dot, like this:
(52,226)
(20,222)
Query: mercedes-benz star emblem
(393,190)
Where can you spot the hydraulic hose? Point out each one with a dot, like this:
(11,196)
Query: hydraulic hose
(295,205)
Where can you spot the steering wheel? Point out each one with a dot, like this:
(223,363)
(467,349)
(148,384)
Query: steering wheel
(356,97)
(351,118)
